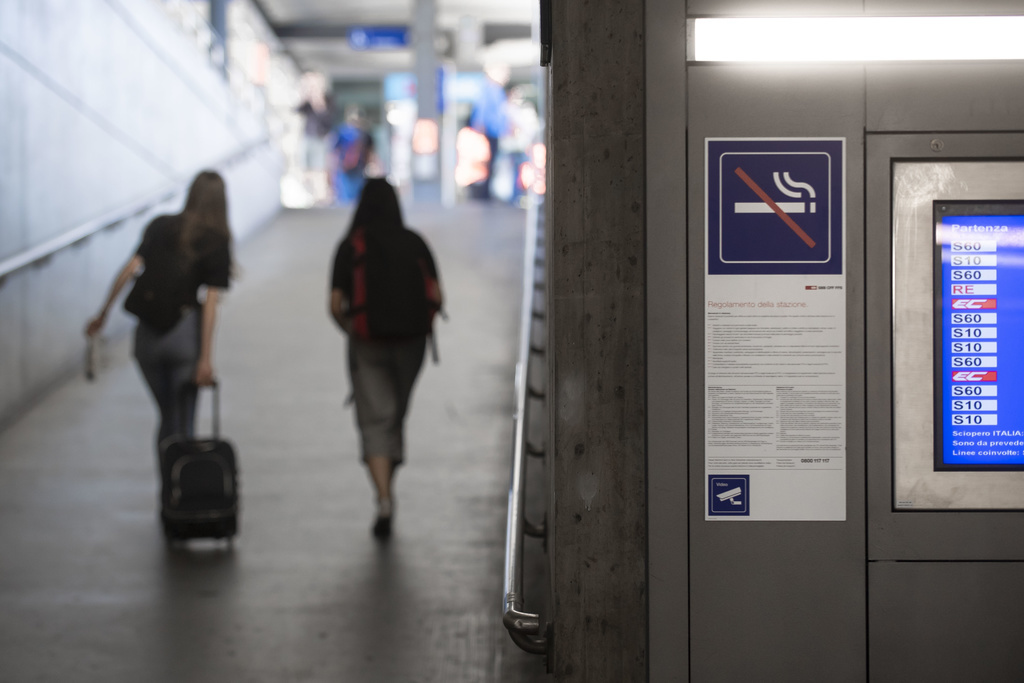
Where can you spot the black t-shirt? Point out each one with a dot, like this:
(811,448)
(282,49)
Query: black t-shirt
(162,253)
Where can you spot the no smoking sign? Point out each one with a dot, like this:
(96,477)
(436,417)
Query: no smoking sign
(775,206)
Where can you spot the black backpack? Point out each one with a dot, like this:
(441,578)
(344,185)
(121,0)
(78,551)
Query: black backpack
(390,281)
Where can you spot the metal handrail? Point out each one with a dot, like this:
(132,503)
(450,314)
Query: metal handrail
(46,250)
(524,627)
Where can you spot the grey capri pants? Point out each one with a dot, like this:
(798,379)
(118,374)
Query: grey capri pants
(383,375)
(168,364)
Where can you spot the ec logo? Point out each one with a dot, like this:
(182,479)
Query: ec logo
(975,376)
(973,304)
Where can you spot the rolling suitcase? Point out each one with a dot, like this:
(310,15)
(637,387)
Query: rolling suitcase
(199,485)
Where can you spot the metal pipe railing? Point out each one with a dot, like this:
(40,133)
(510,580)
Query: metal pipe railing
(46,250)
(524,627)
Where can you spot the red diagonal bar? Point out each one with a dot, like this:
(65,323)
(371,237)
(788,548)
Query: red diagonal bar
(775,207)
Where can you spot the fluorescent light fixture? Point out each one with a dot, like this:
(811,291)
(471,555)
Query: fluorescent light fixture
(857,39)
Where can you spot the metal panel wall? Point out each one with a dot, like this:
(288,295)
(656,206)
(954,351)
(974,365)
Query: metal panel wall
(949,621)
(777,600)
(850,8)
(765,8)
(941,7)
(668,580)
(784,600)
(947,97)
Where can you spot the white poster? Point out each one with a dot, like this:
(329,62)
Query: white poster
(775,330)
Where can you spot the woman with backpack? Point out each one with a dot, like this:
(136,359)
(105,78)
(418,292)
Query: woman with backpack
(384,294)
(179,255)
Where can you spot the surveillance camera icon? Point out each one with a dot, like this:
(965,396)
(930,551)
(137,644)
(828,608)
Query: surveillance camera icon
(731,496)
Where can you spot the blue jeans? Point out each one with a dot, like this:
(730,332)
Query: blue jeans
(168,364)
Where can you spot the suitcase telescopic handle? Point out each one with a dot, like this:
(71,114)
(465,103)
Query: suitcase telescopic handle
(216,403)
(216,408)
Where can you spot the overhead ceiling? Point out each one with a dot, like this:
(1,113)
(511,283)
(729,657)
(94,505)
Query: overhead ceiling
(468,32)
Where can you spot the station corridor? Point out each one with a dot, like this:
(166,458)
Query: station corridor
(89,591)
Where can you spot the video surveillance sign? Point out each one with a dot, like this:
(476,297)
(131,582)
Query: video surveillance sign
(775,206)
(728,495)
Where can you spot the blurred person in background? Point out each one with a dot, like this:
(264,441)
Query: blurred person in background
(490,117)
(524,125)
(319,120)
(352,151)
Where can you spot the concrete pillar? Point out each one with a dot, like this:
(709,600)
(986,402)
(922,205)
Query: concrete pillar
(596,333)
(425,163)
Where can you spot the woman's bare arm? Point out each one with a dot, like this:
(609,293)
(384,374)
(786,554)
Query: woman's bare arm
(130,270)
(204,368)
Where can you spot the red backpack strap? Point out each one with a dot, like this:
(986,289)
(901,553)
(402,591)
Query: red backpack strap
(357,307)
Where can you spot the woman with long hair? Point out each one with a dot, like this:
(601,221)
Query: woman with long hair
(384,293)
(182,263)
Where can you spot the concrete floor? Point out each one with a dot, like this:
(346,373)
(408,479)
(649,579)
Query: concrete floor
(90,592)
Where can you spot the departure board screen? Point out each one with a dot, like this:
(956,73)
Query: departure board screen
(979,334)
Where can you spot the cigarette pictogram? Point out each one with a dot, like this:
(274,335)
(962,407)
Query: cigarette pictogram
(775,207)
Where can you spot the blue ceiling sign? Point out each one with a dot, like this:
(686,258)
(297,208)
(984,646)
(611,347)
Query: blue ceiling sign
(378,37)
(775,206)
